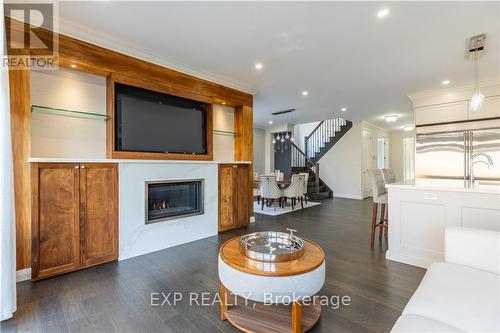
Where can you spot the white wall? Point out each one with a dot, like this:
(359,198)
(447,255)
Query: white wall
(397,152)
(64,136)
(302,130)
(340,167)
(259,151)
(223,144)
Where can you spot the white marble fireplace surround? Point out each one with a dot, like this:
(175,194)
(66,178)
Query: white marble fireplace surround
(136,237)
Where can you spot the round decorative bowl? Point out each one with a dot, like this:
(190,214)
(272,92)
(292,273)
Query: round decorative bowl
(272,246)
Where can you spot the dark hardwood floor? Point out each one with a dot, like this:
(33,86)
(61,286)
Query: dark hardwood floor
(116,297)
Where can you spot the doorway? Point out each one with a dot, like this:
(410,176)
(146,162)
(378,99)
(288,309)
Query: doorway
(381,152)
(368,160)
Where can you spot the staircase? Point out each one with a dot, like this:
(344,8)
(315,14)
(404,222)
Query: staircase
(317,144)
(324,137)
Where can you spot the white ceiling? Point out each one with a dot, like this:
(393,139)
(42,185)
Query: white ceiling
(338,51)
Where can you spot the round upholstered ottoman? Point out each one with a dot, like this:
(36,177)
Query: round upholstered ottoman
(259,296)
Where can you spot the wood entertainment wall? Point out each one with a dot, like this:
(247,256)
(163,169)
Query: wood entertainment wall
(117,67)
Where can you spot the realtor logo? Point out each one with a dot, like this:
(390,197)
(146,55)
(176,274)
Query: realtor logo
(31,41)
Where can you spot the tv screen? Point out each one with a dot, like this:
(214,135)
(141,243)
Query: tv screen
(148,121)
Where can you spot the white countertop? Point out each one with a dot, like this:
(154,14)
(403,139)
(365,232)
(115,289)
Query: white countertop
(122,161)
(444,185)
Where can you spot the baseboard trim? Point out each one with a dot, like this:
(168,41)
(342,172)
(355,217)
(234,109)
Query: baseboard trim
(409,260)
(23,275)
(347,196)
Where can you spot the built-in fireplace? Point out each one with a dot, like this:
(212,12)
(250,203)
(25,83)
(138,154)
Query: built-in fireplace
(172,199)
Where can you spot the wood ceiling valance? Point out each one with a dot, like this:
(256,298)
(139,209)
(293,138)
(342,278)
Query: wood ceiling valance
(98,60)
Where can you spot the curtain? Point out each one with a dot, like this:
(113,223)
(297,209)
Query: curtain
(7,221)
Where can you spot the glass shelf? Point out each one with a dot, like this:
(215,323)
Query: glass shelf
(224,132)
(70,113)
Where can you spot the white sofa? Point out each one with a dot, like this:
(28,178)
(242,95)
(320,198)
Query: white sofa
(461,294)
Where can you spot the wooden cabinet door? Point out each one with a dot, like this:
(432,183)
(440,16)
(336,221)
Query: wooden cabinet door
(55,219)
(99,213)
(227,199)
(242,194)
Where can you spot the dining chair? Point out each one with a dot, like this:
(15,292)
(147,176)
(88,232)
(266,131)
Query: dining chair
(379,194)
(295,190)
(256,186)
(269,191)
(306,182)
(256,193)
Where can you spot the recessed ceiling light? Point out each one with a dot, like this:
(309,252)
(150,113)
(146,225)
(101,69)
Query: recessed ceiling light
(258,66)
(408,128)
(223,103)
(305,93)
(72,66)
(383,12)
(270,122)
(445,82)
(343,109)
(391,118)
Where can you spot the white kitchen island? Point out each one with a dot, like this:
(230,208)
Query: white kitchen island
(419,211)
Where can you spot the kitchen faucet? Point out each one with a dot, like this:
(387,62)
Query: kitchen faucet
(489,163)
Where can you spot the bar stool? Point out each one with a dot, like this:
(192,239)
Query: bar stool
(389,176)
(380,196)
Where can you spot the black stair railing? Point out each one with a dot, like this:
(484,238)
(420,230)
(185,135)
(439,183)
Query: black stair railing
(322,134)
(300,159)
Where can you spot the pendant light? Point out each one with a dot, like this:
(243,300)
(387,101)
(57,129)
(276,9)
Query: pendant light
(476,49)
(477,100)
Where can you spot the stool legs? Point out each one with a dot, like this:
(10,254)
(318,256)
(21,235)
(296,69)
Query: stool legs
(223,294)
(382,224)
(374,224)
(296,317)
(382,221)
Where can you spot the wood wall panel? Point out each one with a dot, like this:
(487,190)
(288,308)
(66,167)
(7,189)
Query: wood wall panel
(20,120)
(243,144)
(243,124)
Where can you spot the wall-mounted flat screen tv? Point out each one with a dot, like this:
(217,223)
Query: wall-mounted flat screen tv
(149,121)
